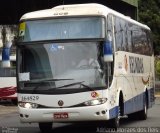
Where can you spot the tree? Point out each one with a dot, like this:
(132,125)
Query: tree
(149,14)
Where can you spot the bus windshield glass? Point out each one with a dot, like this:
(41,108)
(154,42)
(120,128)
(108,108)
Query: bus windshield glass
(61,28)
(74,62)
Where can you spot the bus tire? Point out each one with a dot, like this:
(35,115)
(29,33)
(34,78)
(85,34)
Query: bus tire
(142,115)
(45,127)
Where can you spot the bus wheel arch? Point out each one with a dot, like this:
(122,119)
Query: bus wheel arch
(114,123)
(121,103)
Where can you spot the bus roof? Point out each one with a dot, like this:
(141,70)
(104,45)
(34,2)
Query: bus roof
(90,9)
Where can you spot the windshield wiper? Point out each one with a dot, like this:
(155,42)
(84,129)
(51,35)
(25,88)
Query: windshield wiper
(76,83)
(43,81)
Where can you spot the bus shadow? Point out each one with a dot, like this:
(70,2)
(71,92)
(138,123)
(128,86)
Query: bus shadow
(77,128)
(127,121)
(90,127)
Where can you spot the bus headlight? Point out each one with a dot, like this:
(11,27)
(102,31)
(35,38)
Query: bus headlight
(95,102)
(28,105)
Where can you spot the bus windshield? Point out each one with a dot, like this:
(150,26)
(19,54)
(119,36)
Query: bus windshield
(61,28)
(75,61)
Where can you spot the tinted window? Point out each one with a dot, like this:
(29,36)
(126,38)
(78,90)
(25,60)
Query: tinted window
(131,38)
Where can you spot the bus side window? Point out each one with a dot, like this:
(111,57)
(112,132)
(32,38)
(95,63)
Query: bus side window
(109,68)
(140,43)
(118,37)
(129,37)
(121,35)
(109,25)
(149,42)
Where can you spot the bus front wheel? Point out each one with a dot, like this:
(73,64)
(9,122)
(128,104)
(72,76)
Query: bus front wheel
(45,127)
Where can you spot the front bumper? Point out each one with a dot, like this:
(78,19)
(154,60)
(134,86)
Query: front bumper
(88,113)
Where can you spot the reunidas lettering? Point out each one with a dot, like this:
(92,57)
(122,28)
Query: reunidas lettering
(136,64)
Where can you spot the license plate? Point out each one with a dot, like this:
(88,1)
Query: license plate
(62,115)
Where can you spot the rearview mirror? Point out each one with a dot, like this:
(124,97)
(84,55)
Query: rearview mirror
(107,50)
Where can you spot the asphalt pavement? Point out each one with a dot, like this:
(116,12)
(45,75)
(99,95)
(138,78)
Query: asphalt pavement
(9,123)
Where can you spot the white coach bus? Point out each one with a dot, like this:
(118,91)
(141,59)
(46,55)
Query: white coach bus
(53,84)
(8,85)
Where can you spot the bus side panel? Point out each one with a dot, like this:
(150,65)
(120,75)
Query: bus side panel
(134,104)
(136,75)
